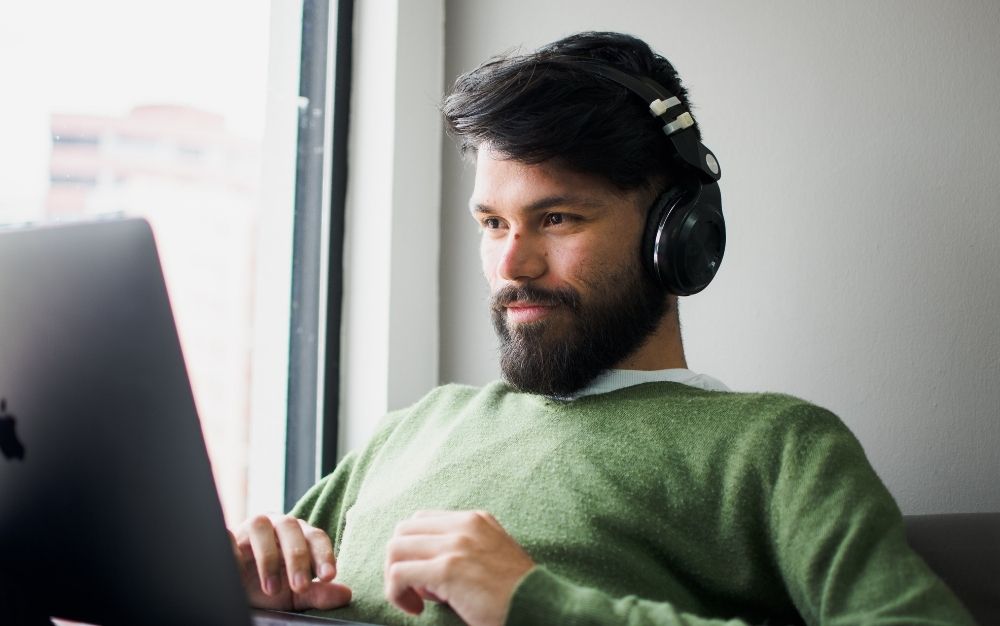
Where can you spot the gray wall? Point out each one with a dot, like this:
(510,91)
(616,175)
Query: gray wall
(860,145)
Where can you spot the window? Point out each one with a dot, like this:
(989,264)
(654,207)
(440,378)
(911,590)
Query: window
(185,113)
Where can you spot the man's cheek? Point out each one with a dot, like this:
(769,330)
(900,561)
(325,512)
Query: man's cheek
(489,259)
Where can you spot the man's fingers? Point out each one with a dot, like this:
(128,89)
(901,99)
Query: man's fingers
(295,552)
(419,547)
(321,547)
(322,595)
(416,556)
(261,534)
(279,555)
(402,580)
(492,521)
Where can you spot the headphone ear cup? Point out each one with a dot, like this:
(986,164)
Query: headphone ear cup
(655,219)
(685,237)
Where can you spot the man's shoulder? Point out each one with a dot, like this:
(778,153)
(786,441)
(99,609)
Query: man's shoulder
(458,393)
(746,403)
(789,426)
(772,405)
(456,401)
(760,433)
(727,412)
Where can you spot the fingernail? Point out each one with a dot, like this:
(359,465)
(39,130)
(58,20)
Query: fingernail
(271,585)
(326,571)
(300,581)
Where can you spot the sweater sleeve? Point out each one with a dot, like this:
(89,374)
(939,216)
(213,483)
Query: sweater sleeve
(542,598)
(326,503)
(838,536)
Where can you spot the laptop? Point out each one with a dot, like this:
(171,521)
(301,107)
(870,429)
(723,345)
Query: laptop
(108,510)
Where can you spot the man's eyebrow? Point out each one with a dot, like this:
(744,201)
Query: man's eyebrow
(543,204)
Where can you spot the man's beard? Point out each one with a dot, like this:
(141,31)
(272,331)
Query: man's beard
(557,357)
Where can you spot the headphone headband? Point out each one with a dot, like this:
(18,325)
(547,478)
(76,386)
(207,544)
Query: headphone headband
(664,106)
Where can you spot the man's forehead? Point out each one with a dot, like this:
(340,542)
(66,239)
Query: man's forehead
(502,181)
(542,203)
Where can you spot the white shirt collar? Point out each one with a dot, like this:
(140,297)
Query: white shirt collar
(612,380)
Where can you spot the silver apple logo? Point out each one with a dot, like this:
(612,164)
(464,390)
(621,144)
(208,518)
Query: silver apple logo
(10,445)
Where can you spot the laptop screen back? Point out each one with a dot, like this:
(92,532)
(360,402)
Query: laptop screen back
(108,511)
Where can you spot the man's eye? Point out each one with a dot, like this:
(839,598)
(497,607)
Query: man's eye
(554,219)
(491,223)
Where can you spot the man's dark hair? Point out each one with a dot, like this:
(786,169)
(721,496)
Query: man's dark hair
(535,107)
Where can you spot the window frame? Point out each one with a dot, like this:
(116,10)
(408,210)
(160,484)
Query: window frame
(318,245)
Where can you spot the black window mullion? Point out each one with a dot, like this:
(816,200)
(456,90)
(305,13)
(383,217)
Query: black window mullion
(338,208)
(300,451)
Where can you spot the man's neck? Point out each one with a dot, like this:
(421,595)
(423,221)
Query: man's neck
(663,348)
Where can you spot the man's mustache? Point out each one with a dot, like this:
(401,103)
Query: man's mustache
(535,295)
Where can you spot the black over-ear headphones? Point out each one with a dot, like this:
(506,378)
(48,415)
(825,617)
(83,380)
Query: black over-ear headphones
(685,233)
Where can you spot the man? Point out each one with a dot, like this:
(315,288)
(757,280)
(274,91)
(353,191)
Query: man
(600,481)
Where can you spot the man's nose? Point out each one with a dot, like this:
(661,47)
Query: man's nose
(522,257)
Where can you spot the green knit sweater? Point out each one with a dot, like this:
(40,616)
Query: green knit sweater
(654,504)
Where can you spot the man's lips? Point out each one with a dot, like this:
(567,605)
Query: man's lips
(527,312)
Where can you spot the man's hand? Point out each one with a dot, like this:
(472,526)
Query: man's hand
(463,558)
(279,557)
